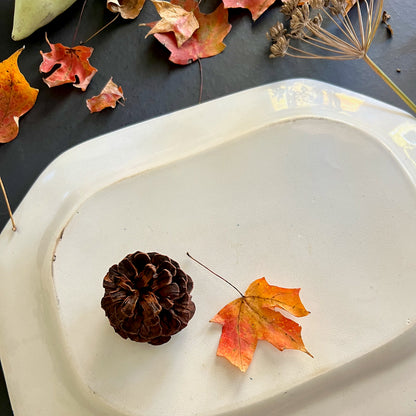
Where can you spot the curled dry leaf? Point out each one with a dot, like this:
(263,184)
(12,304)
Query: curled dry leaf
(128,9)
(385,19)
(253,317)
(175,19)
(108,97)
(17,97)
(206,41)
(74,67)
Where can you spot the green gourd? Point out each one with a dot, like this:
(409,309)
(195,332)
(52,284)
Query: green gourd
(30,15)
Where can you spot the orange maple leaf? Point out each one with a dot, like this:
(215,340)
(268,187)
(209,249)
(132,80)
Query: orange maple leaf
(108,97)
(74,65)
(17,97)
(253,317)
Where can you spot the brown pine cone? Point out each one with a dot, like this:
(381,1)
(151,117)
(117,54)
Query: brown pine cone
(147,297)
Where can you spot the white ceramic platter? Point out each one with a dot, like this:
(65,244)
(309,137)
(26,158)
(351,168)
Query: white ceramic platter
(307,184)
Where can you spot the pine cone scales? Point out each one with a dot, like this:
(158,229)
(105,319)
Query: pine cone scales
(147,297)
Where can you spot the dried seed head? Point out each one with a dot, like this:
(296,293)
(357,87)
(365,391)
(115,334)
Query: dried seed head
(300,19)
(279,48)
(338,7)
(276,32)
(288,7)
(317,21)
(317,4)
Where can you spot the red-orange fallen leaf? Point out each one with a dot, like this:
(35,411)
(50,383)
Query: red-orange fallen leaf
(74,67)
(17,97)
(174,19)
(253,316)
(108,97)
(256,7)
(128,9)
(205,41)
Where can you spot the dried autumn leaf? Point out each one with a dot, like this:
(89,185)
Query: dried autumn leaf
(17,97)
(174,19)
(256,7)
(253,317)
(108,97)
(74,66)
(128,9)
(385,18)
(206,41)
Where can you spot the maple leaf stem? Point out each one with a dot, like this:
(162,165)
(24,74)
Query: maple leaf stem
(78,24)
(201,81)
(216,274)
(100,30)
(14,228)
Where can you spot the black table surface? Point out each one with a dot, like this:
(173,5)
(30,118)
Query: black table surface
(154,86)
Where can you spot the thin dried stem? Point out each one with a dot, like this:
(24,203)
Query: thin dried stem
(201,77)
(308,55)
(100,30)
(78,24)
(370,12)
(360,24)
(348,31)
(375,23)
(318,43)
(348,24)
(390,83)
(14,228)
(372,28)
(216,274)
(334,41)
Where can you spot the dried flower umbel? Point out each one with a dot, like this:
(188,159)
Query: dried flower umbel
(347,41)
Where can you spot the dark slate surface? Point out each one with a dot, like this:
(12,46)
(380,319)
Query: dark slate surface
(153,86)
